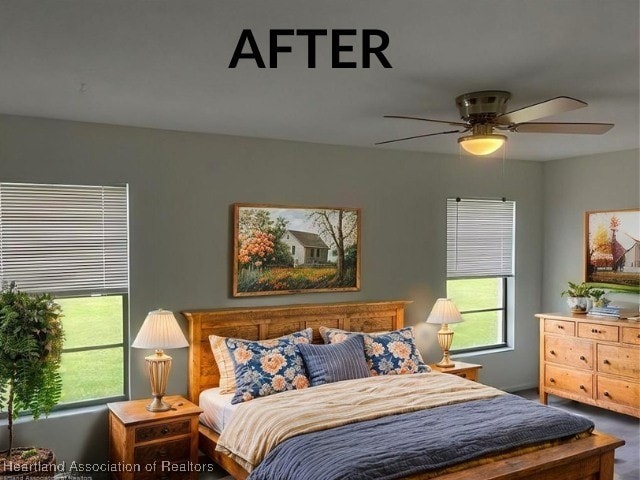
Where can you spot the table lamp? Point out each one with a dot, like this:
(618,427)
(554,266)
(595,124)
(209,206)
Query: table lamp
(159,331)
(445,312)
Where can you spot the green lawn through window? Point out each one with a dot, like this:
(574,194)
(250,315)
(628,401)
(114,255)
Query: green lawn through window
(478,329)
(98,372)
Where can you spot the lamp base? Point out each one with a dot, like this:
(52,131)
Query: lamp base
(159,366)
(446,362)
(445,338)
(157,405)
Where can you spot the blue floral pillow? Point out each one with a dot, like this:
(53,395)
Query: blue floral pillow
(387,353)
(268,366)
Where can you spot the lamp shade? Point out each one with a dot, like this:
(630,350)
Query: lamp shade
(160,330)
(482,144)
(444,311)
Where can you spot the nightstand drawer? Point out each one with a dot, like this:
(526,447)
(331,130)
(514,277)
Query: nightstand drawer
(574,381)
(162,430)
(560,327)
(174,451)
(568,351)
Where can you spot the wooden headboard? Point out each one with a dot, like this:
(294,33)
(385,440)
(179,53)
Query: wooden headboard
(260,323)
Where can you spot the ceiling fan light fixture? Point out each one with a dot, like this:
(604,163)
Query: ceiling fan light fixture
(482,144)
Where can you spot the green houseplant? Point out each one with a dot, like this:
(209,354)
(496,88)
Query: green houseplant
(31,338)
(578,297)
(598,297)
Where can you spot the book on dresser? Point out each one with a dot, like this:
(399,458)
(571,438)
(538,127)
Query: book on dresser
(594,360)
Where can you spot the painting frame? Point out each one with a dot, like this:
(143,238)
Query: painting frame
(290,249)
(612,249)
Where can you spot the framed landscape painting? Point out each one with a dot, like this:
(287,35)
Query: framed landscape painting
(612,249)
(283,249)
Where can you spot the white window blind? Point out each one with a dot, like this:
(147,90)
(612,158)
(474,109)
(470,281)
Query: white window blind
(64,238)
(480,238)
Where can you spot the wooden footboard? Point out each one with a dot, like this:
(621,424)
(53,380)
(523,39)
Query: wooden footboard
(589,458)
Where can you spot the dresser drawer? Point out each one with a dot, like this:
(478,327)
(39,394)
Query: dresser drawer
(173,451)
(618,391)
(574,381)
(618,360)
(162,430)
(631,335)
(596,331)
(560,327)
(568,351)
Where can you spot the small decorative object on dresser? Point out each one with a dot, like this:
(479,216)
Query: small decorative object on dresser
(578,297)
(591,360)
(461,369)
(154,445)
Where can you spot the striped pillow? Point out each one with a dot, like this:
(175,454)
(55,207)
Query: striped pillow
(335,362)
(387,353)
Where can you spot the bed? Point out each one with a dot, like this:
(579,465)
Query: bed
(589,457)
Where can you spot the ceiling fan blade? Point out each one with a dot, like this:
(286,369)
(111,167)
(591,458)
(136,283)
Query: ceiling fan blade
(426,120)
(580,128)
(419,136)
(547,108)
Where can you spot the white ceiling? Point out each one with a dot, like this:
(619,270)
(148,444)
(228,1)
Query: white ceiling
(164,64)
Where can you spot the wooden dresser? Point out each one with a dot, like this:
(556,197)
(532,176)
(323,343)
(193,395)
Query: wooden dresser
(590,360)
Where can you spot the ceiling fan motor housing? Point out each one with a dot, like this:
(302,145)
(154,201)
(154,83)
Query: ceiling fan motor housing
(482,106)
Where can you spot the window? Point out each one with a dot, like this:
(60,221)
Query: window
(72,242)
(293,249)
(480,257)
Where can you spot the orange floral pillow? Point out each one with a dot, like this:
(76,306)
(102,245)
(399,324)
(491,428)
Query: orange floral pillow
(265,367)
(225,363)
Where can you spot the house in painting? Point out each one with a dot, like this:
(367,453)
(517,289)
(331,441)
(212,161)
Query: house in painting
(306,248)
(632,256)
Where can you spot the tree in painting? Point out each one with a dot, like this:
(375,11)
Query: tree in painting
(338,227)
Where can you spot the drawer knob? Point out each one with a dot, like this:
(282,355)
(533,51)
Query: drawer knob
(552,380)
(594,330)
(164,430)
(607,394)
(560,327)
(606,362)
(582,358)
(552,352)
(582,387)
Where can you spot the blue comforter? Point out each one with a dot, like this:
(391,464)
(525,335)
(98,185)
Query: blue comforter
(400,445)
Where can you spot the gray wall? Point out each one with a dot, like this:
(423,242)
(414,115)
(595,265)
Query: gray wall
(572,187)
(181,189)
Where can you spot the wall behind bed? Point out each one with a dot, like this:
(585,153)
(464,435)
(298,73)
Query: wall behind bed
(181,189)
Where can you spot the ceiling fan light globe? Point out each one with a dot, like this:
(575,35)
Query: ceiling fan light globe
(482,144)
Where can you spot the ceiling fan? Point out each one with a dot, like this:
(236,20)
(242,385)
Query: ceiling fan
(483,113)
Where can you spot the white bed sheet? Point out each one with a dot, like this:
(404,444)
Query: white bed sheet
(217,408)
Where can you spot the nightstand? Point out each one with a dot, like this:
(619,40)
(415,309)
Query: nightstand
(461,369)
(153,445)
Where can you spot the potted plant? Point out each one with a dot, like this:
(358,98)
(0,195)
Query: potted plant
(598,297)
(578,297)
(31,339)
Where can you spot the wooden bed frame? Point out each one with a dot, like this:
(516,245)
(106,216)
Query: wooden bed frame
(589,458)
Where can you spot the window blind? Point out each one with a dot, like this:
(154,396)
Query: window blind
(480,238)
(64,238)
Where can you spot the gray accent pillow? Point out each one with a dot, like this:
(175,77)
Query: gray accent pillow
(335,362)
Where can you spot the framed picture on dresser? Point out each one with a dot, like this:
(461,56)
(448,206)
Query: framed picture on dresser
(612,249)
